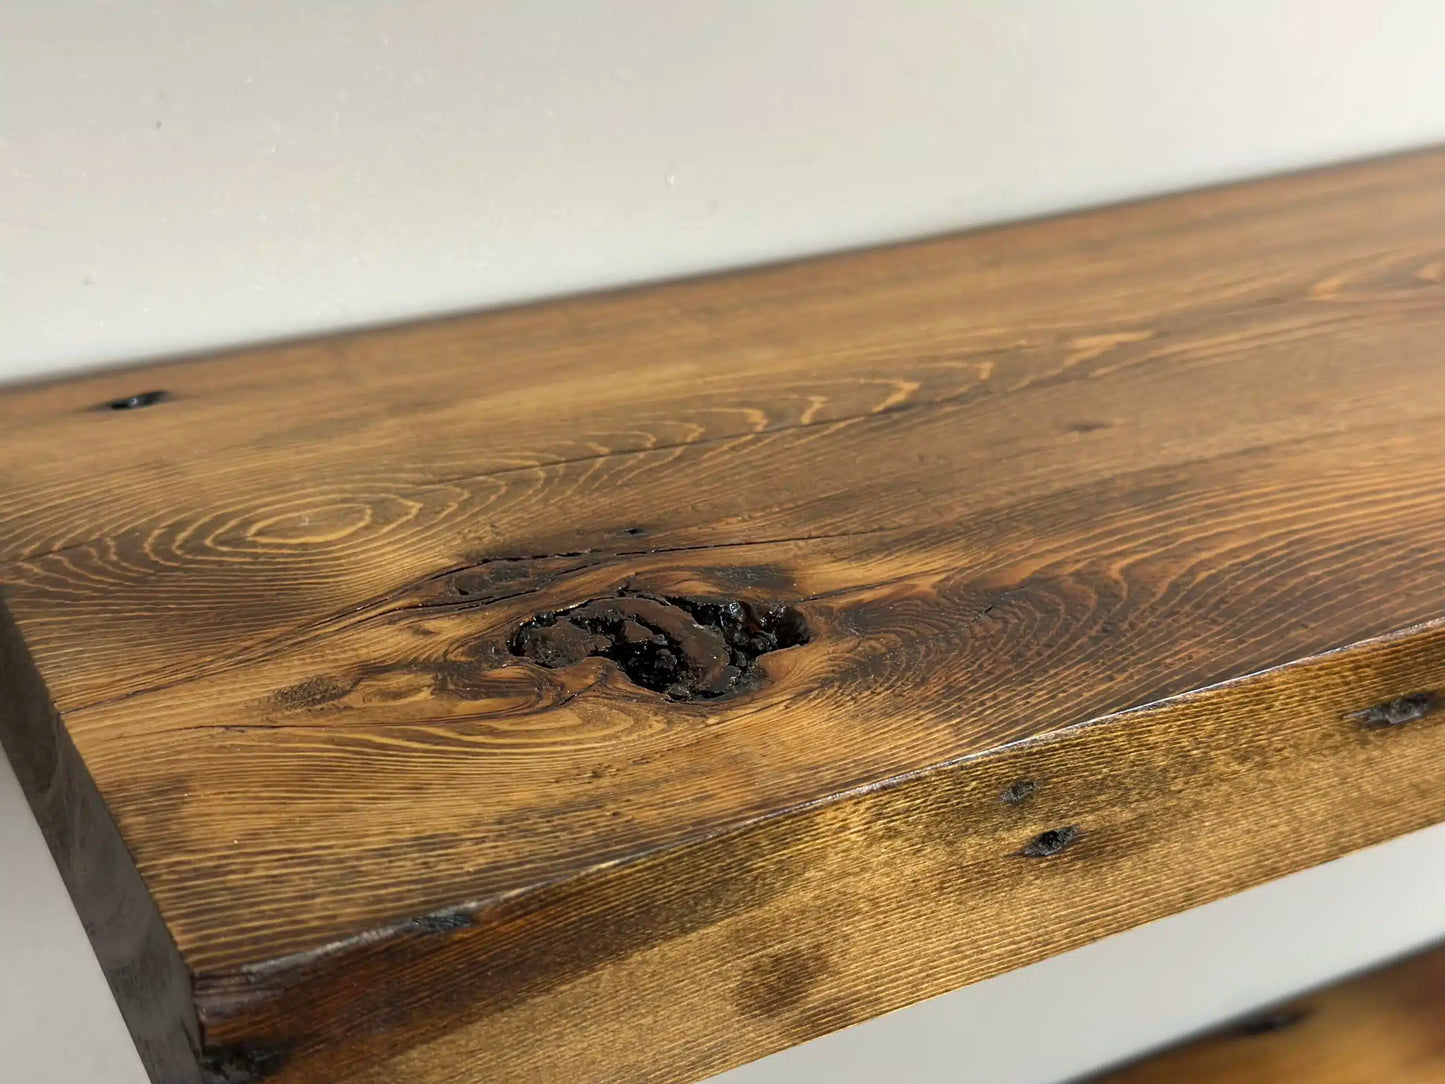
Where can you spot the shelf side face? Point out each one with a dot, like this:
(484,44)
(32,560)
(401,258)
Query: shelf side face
(135,951)
(404,660)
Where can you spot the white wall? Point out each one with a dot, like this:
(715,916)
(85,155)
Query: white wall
(182,174)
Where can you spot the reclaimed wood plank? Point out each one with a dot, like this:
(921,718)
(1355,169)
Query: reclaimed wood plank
(629,686)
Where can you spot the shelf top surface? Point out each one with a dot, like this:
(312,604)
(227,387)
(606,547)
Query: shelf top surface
(381,628)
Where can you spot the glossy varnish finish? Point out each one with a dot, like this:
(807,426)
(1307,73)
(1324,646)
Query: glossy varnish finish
(626,687)
(1388,1025)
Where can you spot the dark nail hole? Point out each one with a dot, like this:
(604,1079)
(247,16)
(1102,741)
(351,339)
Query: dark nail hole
(135,402)
(439,922)
(634,531)
(1271,1020)
(1405,709)
(1015,793)
(1050,843)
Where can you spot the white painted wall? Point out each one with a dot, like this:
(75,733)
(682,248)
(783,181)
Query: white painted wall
(183,174)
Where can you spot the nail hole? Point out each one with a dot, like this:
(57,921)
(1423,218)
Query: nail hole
(634,531)
(439,922)
(1047,844)
(1405,709)
(1015,793)
(135,402)
(1272,1020)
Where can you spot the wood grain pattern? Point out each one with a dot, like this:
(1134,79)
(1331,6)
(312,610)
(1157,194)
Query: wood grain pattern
(432,675)
(1387,1025)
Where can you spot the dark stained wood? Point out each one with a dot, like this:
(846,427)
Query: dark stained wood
(136,953)
(1387,1025)
(626,687)
(682,961)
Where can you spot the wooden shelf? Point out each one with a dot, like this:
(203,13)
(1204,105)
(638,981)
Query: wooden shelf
(626,687)
(1388,1025)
